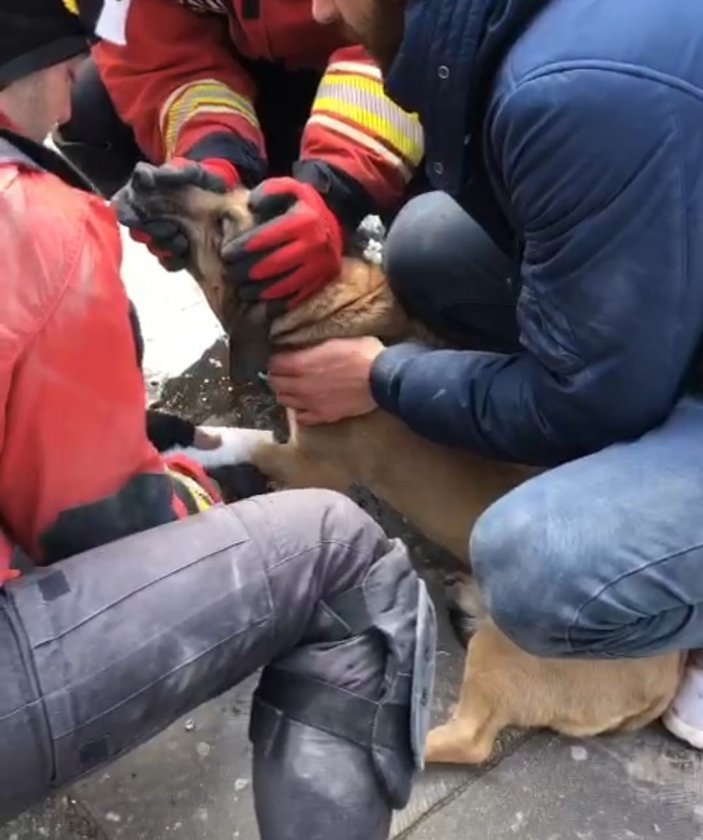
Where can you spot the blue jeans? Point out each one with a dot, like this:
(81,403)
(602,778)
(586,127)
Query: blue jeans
(601,557)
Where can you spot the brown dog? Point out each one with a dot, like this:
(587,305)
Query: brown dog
(440,490)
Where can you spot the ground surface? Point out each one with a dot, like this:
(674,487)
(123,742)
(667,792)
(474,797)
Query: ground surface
(193,782)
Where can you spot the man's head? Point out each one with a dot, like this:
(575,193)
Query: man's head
(42,43)
(376,24)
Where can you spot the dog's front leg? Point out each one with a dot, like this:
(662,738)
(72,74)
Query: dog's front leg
(295,466)
(287,466)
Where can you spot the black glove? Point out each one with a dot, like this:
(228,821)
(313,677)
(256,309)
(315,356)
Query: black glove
(138,203)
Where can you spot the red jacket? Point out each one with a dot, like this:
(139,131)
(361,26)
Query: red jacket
(181,79)
(76,466)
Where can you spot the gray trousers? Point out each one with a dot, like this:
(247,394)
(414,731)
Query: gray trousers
(102,651)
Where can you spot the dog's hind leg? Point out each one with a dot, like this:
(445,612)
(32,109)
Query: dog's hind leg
(469,737)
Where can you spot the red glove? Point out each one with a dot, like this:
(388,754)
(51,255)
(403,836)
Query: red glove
(294,250)
(7,575)
(163,238)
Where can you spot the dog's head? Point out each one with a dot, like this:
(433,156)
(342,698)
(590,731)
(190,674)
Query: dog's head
(209,220)
(358,303)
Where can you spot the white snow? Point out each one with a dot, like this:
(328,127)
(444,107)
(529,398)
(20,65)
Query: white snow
(177,323)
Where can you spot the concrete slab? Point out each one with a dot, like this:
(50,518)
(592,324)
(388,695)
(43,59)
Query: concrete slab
(60,818)
(628,787)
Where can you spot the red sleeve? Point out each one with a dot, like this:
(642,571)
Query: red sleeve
(356,128)
(176,82)
(77,469)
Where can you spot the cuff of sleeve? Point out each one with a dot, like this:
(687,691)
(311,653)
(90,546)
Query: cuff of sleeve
(237,151)
(345,197)
(387,373)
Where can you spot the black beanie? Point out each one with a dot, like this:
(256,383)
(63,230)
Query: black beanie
(35,34)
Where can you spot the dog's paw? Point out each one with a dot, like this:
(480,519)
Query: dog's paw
(457,742)
(237,447)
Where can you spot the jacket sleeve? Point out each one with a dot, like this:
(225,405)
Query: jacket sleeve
(181,90)
(77,469)
(356,130)
(591,163)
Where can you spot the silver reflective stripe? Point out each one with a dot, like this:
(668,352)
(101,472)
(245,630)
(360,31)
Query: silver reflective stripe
(10,154)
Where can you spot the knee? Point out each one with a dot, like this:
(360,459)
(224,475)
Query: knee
(413,248)
(328,525)
(527,590)
(344,522)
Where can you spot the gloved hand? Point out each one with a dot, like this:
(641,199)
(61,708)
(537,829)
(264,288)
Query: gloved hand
(163,238)
(294,250)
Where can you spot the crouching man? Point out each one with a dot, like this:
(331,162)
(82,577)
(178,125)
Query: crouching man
(136,612)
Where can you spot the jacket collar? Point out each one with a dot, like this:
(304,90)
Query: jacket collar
(444,70)
(16,148)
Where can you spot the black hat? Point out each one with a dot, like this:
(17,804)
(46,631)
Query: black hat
(35,34)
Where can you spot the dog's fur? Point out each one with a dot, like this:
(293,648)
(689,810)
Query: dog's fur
(440,490)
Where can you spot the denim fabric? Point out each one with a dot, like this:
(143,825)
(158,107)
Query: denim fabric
(603,557)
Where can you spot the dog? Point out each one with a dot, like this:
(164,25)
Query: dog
(441,490)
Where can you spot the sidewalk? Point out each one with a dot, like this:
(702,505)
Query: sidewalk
(193,782)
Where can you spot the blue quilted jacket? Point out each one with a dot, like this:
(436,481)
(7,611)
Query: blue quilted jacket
(573,130)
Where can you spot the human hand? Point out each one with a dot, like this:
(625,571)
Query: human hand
(326,383)
(294,249)
(163,237)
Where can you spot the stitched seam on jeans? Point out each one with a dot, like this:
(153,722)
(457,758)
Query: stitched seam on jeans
(261,508)
(145,642)
(163,677)
(27,657)
(285,558)
(133,592)
(622,577)
(34,704)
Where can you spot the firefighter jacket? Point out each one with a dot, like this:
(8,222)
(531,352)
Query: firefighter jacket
(184,77)
(76,467)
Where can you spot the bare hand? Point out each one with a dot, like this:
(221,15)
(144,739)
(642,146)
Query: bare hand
(326,383)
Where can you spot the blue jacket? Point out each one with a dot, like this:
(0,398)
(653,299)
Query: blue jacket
(576,128)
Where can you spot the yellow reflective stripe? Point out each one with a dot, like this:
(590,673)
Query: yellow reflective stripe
(195,98)
(202,499)
(71,6)
(362,139)
(361,100)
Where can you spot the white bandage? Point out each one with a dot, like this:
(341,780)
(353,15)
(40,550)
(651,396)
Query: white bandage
(237,447)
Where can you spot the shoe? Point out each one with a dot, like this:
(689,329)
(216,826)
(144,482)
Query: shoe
(684,717)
